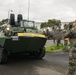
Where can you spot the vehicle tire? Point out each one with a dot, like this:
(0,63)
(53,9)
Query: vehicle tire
(3,56)
(40,54)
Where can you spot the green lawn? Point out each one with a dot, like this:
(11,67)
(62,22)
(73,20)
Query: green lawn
(55,48)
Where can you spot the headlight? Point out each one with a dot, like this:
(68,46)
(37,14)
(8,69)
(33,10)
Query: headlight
(8,28)
(7,31)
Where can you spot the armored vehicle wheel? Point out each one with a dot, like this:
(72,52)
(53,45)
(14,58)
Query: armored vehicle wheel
(3,56)
(40,54)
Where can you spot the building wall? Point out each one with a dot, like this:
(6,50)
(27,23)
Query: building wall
(38,25)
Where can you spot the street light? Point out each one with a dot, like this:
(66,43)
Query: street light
(8,14)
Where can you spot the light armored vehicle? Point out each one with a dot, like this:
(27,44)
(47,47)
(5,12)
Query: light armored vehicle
(21,36)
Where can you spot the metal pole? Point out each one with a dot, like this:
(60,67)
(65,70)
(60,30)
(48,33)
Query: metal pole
(8,15)
(20,9)
(28,8)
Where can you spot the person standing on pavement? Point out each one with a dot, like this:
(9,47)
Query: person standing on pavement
(65,39)
(71,34)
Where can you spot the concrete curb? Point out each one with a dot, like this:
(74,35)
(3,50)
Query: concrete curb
(60,50)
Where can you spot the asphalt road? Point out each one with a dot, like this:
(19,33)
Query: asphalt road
(51,64)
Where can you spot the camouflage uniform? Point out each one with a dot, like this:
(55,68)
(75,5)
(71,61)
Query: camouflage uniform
(57,35)
(72,60)
(65,41)
(72,54)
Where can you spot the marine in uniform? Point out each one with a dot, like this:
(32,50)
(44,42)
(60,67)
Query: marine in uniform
(71,34)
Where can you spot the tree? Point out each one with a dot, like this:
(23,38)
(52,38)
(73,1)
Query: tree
(4,21)
(54,22)
(51,23)
(44,24)
(70,25)
(66,26)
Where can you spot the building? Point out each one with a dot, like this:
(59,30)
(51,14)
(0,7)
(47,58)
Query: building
(38,25)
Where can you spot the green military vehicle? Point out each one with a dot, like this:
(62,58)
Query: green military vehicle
(21,36)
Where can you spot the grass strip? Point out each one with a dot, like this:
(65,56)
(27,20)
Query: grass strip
(55,48)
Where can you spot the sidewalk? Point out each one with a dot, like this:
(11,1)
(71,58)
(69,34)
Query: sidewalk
(44,71)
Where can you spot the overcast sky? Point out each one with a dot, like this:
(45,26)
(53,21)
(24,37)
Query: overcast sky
(40,10)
